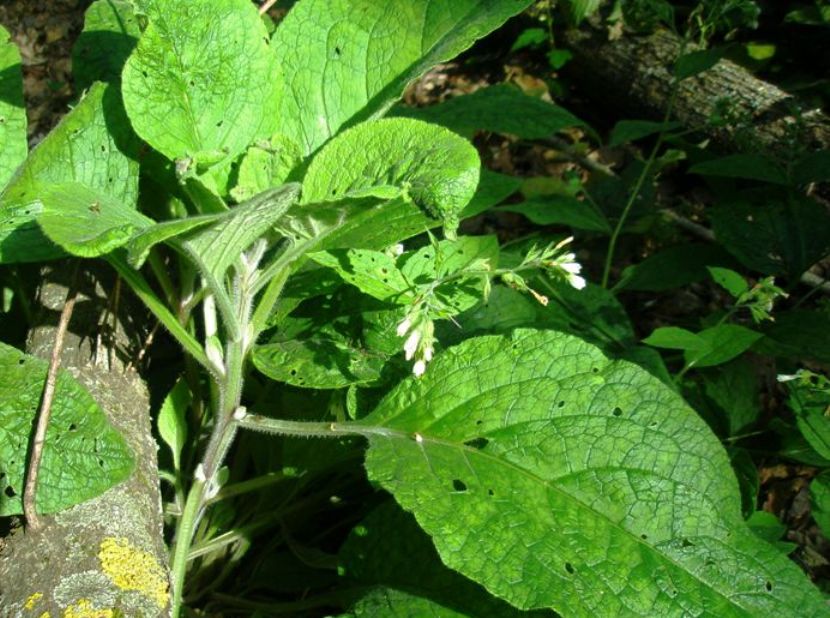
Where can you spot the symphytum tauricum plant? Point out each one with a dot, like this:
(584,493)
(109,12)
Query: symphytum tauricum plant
(271,236)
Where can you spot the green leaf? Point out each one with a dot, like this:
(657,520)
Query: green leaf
(557,478)
(499,109)
(86,223)
(388,549)
(674,267)
(820,499)
(219,245)
(725,342)
(94,146)
(83,455)
(264,166)
(729,280)
(110,34)
(386,224)
(735,390)
(202,78)
(773,233)
(675,338)
(373,272)
(530,37)
(347,62)
(140,243)
(631,130)
(13,145)
(386,158)
(696,62)
(593,313)
(810,404)
(749,166)
(323,362)
(172,420)
(561,210)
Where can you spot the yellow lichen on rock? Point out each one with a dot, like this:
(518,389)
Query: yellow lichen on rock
(84,609)
(131,568)
(45,615)
(32,600)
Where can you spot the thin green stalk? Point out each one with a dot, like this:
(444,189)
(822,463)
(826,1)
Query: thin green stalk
(244,487)
(144,292)
(635,193)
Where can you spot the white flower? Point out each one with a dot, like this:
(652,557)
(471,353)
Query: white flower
(428,352)
(397,249)
(411,344)
(419,368)
(577,281)
(783,377)
(563,242)
(403,327)
(573,268)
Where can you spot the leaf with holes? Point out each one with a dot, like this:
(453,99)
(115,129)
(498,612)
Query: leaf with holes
(434,167)
(390,551)
(93,146)
(373,272)
(202,78)
(347,62)
(83,455)
(560,479)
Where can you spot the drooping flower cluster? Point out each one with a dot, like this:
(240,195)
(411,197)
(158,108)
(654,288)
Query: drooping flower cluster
(419,346)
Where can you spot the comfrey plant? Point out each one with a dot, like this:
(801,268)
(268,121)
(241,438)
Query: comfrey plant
(277,234)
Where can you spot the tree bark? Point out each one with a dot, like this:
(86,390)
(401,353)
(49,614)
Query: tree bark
(633,74)
(105,557)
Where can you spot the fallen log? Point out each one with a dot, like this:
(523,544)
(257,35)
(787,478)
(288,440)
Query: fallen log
(634,75)
(106,556)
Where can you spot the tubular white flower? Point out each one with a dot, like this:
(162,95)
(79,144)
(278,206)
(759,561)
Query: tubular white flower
(419,368)
(411,344)
(403,327)
(428,352)
(577,281)
(573,268)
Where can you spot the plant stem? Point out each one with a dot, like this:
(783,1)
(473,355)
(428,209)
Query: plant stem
(184,535)
(45,412)
(635,193)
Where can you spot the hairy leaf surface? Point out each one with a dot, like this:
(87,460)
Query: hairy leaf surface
(349,60)
(83,455)
(557,478)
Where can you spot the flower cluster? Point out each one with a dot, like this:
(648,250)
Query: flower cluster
(759,299)
(419,346)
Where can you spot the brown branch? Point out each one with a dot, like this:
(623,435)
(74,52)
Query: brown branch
(45,412)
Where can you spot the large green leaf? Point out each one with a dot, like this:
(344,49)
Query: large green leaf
(111,32)
(557,478)
(83,455)
(93,146)
(500,109)
(389,549)
(13,146)
(430,165)
(86,223)
(349,60)
(202,78)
